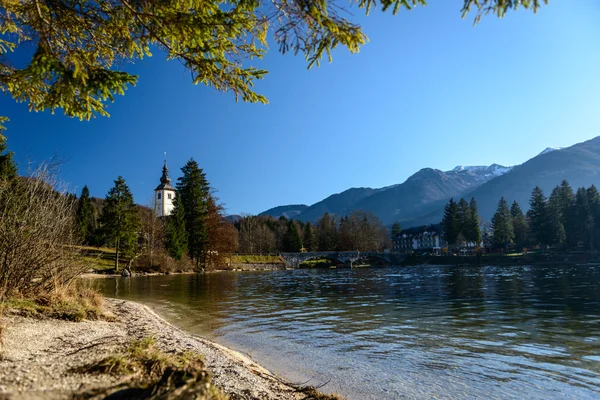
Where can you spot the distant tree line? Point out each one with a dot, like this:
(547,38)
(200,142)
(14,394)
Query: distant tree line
(360,230)
(566,220)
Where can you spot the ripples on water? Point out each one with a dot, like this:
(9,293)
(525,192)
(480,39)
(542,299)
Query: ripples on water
(421,332)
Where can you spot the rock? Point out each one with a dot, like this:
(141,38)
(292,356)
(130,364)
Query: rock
(125,273)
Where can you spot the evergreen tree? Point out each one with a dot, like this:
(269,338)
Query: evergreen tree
(464,216)
(194,192)
(503,232)
(473,228)
(81,45)
(291,240)
(537,217)
(593,223)
(120,220)
(578,220)
(555,228)
(519,225)
(451,223)
(8,168)
(84,216)
(176,235)
(310,240)
(396,230)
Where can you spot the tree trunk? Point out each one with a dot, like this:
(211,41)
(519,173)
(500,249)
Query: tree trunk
(117,257)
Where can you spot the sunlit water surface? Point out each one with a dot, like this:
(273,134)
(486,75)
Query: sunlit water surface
(388,333)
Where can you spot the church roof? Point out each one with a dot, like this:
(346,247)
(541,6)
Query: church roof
(165,181)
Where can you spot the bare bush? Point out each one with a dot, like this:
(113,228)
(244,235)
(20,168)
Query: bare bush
(37,234)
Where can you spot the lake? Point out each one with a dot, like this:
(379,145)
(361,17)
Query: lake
(399,332)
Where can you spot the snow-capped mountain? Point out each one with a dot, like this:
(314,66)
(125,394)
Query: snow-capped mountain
(550,150)
(494,169)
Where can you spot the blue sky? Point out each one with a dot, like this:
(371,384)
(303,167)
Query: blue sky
(427,90)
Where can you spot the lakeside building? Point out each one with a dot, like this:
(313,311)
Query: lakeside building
(164,194)
(421,238)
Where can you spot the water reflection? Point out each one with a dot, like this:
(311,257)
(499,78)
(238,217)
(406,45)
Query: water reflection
(447,332)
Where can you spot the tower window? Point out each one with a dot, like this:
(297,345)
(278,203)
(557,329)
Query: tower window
(158,196)
(169,196)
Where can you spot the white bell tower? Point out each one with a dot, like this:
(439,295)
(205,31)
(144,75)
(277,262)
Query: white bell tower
(164,194)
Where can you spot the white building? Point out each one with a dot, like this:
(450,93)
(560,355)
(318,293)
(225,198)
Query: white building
(164,194)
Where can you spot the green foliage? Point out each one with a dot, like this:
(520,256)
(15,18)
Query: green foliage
(472,229)
(194,191)
(519,225)
(327,236)
(503,231)
(82,46)
(558,207)
(310,239)
(396,230)
(291,240)
(176,237)
(8,168)
(499,7)
(537,217)
(451,223)
(85,216)
(120,220)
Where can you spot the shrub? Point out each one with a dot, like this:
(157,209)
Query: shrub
(37,229)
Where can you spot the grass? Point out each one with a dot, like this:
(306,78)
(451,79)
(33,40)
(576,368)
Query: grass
(74,303)
(155,374)
(256,259)
(98,258)
(312,393)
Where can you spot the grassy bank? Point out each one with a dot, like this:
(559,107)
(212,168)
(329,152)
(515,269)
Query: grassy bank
(256,259)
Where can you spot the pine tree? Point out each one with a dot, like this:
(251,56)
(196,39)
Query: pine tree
(291,240)
(464,216)
(176,235)
(537,217)
(555,228)
(84,216)
(473,228)
(396,230)
(8,168)
(503,232)
(593,223)
(76,66)
(451,223)
(310,240)
(120,220)
(519,225)
(578,220)
(194,192)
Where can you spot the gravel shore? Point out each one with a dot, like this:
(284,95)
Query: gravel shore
(40,357)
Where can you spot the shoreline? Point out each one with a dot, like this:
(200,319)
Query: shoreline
(41,356)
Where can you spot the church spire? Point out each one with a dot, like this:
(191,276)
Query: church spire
(164,179)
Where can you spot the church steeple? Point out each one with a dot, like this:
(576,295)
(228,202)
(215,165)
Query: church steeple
(164,194)
(164,179)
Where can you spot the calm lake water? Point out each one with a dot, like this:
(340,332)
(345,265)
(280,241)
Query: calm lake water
(388,333)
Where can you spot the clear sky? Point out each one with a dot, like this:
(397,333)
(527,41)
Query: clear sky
(428,90)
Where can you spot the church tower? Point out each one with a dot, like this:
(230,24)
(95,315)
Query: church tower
(164,194)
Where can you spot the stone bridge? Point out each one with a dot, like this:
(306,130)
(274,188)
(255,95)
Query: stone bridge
(348,258)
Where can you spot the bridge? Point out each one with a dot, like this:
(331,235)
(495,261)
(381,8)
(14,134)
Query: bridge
(348,258)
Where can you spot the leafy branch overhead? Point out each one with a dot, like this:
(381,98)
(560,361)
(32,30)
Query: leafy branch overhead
(81,45)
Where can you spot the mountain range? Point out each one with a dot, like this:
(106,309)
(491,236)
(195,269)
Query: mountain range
(421,198)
